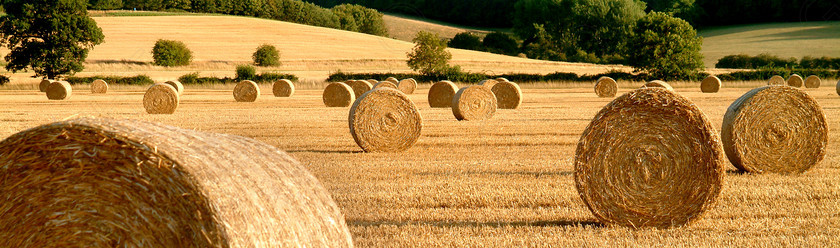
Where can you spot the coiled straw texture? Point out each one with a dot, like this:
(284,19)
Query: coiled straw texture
(776,80)
(606,87)
(441,94)
(98,86)
(407,85)
(710,84)
(385,120)
(161,99)
(795,81)
(474,103)
(246,91)
(338,95)
(359,87)
(508,95)
(179,87)
(813,81)
(283,88)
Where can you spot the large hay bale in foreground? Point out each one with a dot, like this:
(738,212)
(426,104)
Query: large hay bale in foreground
(126,183)
(488,83)
(59,90)
(386,84)
(710,84)
(606,87)
(650,158)
(283,88)
(42,86)
(385,120)
(795,81)
(393,80)
(98,86)
(179,87)
(161,99)
(338,95)
(776,80)
(777,129)
(441,93)
(407,85)
(359,87)
(508,95)
(474,103)
(658,84)
(246,91)
(813,81)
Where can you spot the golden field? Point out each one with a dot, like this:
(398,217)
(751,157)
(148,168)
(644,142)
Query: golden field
(504,182)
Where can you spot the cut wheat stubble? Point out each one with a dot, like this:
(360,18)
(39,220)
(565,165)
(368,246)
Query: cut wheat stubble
(385,120)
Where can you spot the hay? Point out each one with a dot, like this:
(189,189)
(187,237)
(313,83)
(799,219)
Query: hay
(359,87)
(373,81)
(393,80)
(474,103)
(795,81)
(501,79)
(246,91)
(837,87)
(710,84)
(508,95)
(126,183)
(776,80)
(658,84)
(650,158)
(606,87)
(59,90)
(385,120)
(488,83)
(99,86)
(283,88)
(179,87)
(441,93)
(161,99)
(44,84)
(813,81)
(338,95)
(407,85)
(385,84)
(777,129)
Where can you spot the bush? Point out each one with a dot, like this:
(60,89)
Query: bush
(269,77)
(246,72)
(466,40)
(501,43)
(666,47)
(266,55)
(3,80)
(134,80)
(809,62)
(429,55)
(194,78)
(766,73)
(171,53)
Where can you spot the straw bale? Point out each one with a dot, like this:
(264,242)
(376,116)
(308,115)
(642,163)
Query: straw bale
(837,87)
(385,84)
(778,129)
(179,87)
(161,99)
(59,90)
(606,87)
(441,93)
(813,81)
(393,80)
(488,83)
(283,88)
(99,86)
(246,91)
(501,79)
(373,81)
(795,81)
(508,95)
(710,84)
(474,103)
(44,84)
(650,158)
(776,80)
(338,95)
(385,120)
(359,87)
(659,84)
(407,85)
(128,183)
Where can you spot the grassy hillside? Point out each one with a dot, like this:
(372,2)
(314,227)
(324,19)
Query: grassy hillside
(783,39)
(403,27)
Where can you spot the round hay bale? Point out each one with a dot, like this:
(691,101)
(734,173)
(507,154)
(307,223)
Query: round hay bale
(501,79)
(131,183)
(775,129)
(837,87)
(488,83)
(776,80)
(338,95)
(441,93)
(650,158)
(59,90)
(359,87)
(98,86)
(795,81)
(658,84)
(606,87)
(161,99)
(385,84)
(474,103)
(373,81)
(385,120)
(246,91)
(407,86)
(283,88)
(710,84)
(44,84)
(508,95)
(813,81)
(393,80)
(179,87)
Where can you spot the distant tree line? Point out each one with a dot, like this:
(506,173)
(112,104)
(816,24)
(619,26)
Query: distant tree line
(743,61)
(481,13)
(345,16)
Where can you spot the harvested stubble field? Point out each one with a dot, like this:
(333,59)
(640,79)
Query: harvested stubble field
(504,182)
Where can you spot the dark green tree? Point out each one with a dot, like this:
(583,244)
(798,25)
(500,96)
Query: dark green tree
(171,53)
(52,37)
(266,55)
(366,20)
(501,43)
(466,40)
(666,47)
(105,4)
(429,54)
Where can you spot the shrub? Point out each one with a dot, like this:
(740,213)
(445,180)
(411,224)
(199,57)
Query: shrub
(809,62)
(266,55)
(666,47)
(502,43)
(245,72)
(764,60)
(133,80)
(171,53)
(466,40)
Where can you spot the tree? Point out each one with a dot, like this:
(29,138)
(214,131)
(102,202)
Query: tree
(360,19)
(502,43)
(666,47)
(466,40)
(266,55)
(171,53)
(429,54)
(52,37)
(105,4)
